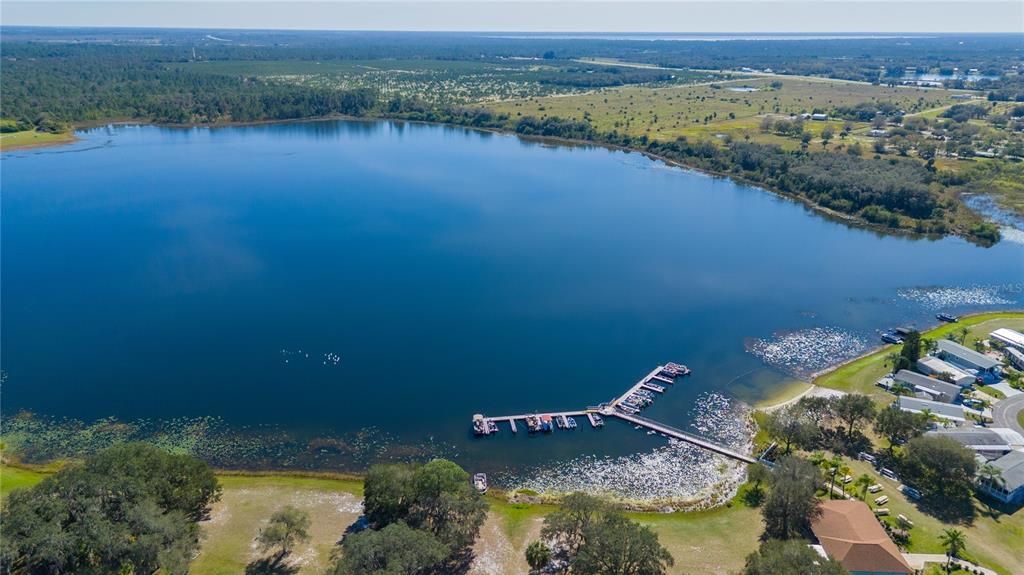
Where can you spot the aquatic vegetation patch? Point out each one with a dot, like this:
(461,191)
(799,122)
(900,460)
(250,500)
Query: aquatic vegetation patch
(801,353)
(36,438)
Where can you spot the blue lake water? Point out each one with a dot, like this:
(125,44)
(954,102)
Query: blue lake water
(429,273)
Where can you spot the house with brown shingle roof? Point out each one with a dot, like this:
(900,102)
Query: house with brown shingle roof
(850,534)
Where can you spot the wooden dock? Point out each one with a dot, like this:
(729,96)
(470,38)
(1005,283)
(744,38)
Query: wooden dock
(679,434)
(613,408)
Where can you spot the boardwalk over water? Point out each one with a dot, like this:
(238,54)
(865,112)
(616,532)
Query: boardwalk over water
(615,408)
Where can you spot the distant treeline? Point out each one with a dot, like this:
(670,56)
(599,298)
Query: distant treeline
(51,87)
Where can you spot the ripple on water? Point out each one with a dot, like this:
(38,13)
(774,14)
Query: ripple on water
(939,297)
(801,353)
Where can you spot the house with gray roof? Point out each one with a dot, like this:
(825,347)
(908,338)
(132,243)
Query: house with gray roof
(991,442)
(1009,487)
(934,389)
(965,358)
(945,411)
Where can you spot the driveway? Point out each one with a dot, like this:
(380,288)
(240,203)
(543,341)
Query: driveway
(1004,413)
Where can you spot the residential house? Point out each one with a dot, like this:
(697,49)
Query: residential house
(931,365)
(1011,338)
(1009,487)
(932,388)
(966,359)
(849,533)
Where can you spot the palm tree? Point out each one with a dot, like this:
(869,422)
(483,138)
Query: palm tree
(962,332)
(929,344)
(979,346)
(844,470)
(899,388)
(833,466)
(991,475)
(863,482)
(893,359)
(953,541)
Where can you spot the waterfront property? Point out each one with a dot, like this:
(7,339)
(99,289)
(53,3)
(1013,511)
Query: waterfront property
(966,358)
(1015,357)
(1012,338)
(1009,488)
(931,365)
(928,387)
(848,532)
(944,411)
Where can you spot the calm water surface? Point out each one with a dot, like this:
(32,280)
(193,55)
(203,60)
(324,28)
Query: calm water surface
(429,273)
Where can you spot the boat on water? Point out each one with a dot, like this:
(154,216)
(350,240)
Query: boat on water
(947,318)
(483,426)
(891,338)
(480,483)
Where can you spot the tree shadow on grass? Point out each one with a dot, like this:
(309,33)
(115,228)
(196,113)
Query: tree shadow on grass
(273,565)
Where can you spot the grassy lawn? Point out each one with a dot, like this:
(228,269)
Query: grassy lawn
(249,500)
(12,478)
(861,374)
(715,541)
(32,138)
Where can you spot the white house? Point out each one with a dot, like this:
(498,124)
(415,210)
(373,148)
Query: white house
(1009,337)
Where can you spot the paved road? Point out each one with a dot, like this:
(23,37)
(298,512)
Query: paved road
(917,561)
(1004,413)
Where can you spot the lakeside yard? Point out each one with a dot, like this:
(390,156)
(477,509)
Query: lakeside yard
(860,375)
(33,139)
(715,541)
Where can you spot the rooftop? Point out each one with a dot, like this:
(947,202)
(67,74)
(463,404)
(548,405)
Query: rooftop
(929,383)
(851,535)
(942,410)
(969,355)
(1009,337)
(983,439)
(1012,467)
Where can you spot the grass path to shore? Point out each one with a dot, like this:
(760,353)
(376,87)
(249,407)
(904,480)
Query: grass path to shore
(33,139)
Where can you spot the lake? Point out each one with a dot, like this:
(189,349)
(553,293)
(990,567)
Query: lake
(327,294)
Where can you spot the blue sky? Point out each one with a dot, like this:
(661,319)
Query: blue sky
(744,16)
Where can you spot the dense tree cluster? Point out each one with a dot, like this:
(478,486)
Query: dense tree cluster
(130,509)
(790,557)
(421,517)
(942,469)
(75,83)
(792,503)
(588,536)
(815,422)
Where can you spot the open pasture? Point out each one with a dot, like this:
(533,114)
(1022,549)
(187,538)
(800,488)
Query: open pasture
(733,107)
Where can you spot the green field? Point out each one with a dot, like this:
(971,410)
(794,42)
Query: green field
(706,111)
(32,139)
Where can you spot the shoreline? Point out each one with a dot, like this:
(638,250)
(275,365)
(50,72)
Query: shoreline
(813,379)
(850,220)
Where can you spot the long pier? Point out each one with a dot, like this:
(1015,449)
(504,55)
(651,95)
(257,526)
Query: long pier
(680,435)
(627,412)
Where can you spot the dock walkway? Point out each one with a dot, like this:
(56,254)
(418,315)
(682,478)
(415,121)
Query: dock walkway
(663,373)
(678,434)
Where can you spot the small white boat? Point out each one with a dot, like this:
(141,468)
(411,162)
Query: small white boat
(480,482)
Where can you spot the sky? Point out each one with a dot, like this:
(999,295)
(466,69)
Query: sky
(667,16)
